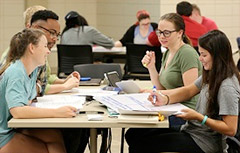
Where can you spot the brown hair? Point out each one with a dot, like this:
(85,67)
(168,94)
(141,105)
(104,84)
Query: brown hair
(19,44)
(178,23)
(223,66)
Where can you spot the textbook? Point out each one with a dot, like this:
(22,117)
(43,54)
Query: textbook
(141,119)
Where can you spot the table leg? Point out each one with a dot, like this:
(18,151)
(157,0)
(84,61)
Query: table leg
(93,140)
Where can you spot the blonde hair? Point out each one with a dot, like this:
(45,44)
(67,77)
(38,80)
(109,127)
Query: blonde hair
(19,44)
(195,7)
(27,14)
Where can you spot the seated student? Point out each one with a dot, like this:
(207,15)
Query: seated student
(217,109)
(28,51)
(180,63)
(207,22)
(139,32)
(193,29)
(48,83)
(78,32)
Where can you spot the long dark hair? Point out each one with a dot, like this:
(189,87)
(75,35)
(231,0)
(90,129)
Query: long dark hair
(76,21)
(19,44)
(178,23)
(223,66)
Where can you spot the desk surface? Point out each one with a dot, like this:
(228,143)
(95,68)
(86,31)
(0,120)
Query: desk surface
(81,119)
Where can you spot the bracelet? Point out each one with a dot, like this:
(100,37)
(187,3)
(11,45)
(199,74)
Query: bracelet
(204,120)
(167,99)
(39,87)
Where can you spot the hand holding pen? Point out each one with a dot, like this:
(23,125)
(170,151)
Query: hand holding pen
(158,99)
(148,60)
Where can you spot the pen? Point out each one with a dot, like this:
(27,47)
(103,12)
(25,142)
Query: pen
(154,97)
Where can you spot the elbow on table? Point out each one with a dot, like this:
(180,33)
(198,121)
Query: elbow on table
(15,112)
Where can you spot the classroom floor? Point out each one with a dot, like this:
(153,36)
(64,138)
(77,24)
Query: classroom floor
(116,142)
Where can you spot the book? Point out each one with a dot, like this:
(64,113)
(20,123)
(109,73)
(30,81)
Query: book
(141,119)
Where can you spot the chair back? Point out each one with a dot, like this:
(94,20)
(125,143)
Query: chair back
(70,55)
(97,70)
(238,42)
(135,53)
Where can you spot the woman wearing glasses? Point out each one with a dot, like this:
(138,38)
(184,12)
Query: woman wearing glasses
(139,32)
(180,63)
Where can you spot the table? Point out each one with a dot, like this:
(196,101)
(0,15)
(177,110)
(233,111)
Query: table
(81,121)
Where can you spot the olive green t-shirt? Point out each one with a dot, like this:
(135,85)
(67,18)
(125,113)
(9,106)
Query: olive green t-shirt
(185,58)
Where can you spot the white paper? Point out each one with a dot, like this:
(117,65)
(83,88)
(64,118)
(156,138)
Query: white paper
(56,101)
(137,104)
(95,92)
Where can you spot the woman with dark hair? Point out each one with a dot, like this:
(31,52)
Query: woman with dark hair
(216,114)
(139,32)
(180,63)
(78,32)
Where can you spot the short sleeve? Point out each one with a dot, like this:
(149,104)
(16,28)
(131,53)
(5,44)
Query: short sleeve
(198,82)
(228,98)
(16,94)
(188,58)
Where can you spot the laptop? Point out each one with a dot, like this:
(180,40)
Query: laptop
(91,82)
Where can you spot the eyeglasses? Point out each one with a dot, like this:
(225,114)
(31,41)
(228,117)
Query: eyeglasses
(166,33)
(52,33)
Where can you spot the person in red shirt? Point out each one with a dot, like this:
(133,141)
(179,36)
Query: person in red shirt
(196,16)
(193,29)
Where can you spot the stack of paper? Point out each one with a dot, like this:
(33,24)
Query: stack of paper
(56,101)
(95,92)
(141,119)
(137,104)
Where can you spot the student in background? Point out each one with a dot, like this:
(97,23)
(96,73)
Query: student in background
(196,16)
(28,51)
(27,14)
(217,109)
(78,32)
(139,32)
(193,29)
(47,21)
(180,63)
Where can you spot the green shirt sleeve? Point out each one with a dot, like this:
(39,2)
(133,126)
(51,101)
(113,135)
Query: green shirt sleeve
(51,78)
(188,58)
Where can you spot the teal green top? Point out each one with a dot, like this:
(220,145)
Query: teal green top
(16,89)
(185,58)
(51,78)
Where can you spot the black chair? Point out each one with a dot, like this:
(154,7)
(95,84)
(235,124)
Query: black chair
(133,67)
(70,55)
(97,70)
(238,51)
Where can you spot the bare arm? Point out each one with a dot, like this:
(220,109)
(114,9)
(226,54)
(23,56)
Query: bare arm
(64,84)
(190,76)
(227,126)
(118,44)
(69,84)
(34,112)
(149,62)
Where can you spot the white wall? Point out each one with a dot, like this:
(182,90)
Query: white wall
(113,17)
